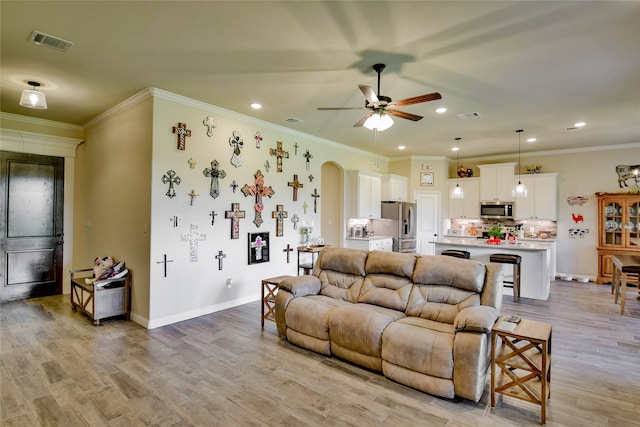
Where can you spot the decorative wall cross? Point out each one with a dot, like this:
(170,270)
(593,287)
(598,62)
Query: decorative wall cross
(234,215)
(192,163)
(305,206)
(258,138)
(165,261)
(288,250)
(310,178)
(294,220)
(295,146)
(279,153)
(258,244)
(182,132)
(279,214)
(315,196)
(171,178)
(174,220)
(213,216)
(295,184)
(221,255)
(234,186)
(193,195)
(210,124)
(216,175)
(259,190)
(193,237)
(267,166)
(308,156)
(237,143)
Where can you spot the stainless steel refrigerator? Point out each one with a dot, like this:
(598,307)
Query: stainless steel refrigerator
(398,221)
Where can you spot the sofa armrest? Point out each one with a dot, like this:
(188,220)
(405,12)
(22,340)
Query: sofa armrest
(480,318)
(300,286)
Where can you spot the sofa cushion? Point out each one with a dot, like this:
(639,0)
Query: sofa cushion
(439,303)
(344,260)
(338,285)
(445,270)
(476,319)
(398,264)
(386,290)
(310,315)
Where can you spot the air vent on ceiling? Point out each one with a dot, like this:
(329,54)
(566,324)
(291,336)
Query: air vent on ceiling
(48,40)
(293,120)
(468,115)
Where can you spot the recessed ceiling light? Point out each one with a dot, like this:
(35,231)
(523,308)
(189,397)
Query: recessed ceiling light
(256,106)
(441,110)
(401,147)
(531,139)
(579,124)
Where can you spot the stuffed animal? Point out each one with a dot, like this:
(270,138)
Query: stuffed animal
(104,268)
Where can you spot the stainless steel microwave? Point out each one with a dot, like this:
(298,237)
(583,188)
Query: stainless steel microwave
(496,210)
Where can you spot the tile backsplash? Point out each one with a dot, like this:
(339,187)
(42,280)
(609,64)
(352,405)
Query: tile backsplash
(531,229)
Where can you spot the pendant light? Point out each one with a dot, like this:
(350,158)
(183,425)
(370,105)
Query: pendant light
(519,190)
(31,98)
(458,192)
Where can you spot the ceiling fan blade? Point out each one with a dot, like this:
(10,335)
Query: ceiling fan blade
(418,99)
(368,93)
(360,122)
(341,108)
(404,115)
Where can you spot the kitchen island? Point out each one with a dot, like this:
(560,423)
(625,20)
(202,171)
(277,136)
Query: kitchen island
(536,271)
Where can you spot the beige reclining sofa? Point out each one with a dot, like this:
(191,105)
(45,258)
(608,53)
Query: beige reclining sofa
(423,321)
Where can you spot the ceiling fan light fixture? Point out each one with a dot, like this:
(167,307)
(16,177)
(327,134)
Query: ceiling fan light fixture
(32,98)
(379,121)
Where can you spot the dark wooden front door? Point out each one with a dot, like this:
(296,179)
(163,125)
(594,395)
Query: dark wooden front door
(31,192)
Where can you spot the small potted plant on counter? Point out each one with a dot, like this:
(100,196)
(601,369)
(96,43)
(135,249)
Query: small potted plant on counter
(496,233)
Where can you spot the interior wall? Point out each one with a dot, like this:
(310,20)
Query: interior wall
(333,223)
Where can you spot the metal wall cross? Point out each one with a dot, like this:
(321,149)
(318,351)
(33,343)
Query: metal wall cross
(308,156)
(259,190)
(305,206)
(237,143)
(221,255)
(295,146)
(295,184)
(210,124)
(193,237)
(192,163)
(182,132)
(193,195)
(279,153)
(165,261)
(315,196)
(258,138)
(234,186)
(294,220)
(171,178)
(288,250)
(213,216)
(216,175)
(234,215)
(279,214)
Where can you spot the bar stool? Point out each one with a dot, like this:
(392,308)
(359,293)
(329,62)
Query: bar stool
(456,253)
(514,260)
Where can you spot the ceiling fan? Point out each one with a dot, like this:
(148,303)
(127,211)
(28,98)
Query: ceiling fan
(381,106)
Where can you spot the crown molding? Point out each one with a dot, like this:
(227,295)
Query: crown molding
(118,108)
(37,143)
(41,122)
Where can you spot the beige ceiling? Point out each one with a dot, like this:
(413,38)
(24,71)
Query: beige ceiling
(537,66)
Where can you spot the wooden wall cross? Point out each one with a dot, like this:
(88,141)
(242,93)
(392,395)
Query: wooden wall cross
(259,190)
(165,261)
(193,237)
(315,196)
(182,132)
(294,220)
(308,156)
(171,178)
(279,153)
(221,255)
(295,184)
(234,215)
(216,174)
(279,214)
(288,250)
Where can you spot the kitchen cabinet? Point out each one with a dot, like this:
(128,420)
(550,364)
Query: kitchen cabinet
(618,230)
(371,244)
(540,202)
(496,181)
(394,188)
(365,194)
(469,205)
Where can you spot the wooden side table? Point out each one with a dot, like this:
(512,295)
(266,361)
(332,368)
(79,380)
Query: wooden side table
(269,291)
(314,250)
(524,359)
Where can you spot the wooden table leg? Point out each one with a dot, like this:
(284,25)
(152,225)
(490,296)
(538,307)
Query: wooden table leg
(623,296)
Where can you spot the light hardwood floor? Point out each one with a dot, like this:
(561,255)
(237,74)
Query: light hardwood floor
(57,369)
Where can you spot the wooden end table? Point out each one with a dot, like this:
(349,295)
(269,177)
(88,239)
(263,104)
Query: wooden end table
(524,359)
(269,291)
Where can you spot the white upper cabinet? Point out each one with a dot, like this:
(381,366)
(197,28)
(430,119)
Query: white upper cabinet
(496,181)
(394,188)
(541,201)
(365,194)
(469,205)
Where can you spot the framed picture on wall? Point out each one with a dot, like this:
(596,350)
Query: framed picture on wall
(258,247)
(426,179)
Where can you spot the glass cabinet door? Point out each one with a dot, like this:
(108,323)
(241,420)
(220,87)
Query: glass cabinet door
(634,219)
(613,223)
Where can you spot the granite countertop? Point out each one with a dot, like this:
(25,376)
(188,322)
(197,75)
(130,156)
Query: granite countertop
(480,243)
(369,238)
